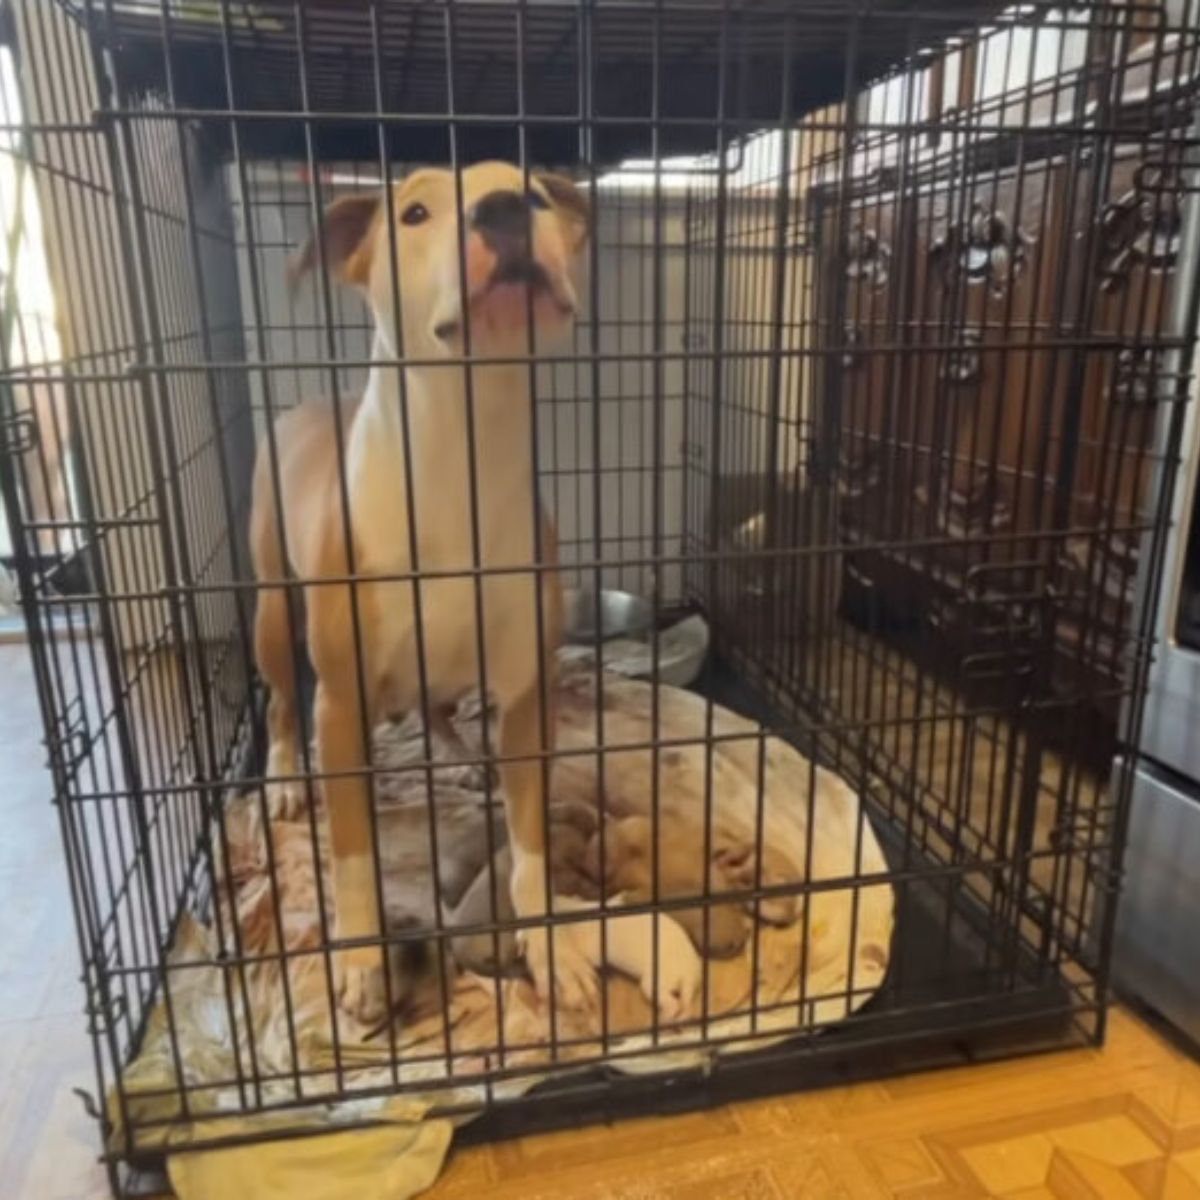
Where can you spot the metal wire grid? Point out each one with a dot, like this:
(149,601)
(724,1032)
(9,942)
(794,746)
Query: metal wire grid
(500,71)
(950,808)
(702,393)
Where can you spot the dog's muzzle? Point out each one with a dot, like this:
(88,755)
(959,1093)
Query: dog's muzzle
(502,220)
(525,270)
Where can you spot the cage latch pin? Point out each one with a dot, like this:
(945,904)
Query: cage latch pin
(67,742)
(18,433)
(1113,879)
(103,1013)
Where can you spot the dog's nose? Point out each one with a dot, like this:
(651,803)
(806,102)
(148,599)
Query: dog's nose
(501,218)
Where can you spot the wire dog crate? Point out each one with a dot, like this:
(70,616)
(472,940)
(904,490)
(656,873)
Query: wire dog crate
(877,382)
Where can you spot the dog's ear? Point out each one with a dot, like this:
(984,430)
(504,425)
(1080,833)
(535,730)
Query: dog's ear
(571,202)
(347,228)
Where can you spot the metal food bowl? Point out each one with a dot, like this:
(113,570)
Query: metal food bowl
(622,614)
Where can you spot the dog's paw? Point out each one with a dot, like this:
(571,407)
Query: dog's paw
(361,989)
(574,983)
(572,975)
(679,973)
(287,800)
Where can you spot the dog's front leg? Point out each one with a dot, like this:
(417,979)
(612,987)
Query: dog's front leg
(572,968)
(358,971)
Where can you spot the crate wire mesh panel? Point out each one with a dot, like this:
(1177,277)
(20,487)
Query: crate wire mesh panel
(879,369)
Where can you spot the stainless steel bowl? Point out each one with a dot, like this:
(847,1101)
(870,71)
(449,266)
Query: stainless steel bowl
(622,614)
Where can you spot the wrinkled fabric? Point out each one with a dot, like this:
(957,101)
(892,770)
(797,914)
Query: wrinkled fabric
(394,1161)
(813,968)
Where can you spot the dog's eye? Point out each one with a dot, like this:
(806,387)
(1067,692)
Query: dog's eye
(537,200)
(415,214)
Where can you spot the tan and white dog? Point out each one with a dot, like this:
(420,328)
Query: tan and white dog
(521,247)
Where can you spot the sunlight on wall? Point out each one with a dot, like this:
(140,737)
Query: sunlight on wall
(22,253)
(29,320)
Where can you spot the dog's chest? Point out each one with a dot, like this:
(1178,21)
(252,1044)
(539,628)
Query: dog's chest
(441,526)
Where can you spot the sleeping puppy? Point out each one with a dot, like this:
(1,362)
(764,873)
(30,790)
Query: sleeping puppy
(575,866)
(628,869)
(570,831)
(626,945)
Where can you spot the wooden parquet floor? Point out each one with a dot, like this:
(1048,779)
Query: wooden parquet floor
(1122,1123)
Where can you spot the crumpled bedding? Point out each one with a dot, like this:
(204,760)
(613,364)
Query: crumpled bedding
(229,1022)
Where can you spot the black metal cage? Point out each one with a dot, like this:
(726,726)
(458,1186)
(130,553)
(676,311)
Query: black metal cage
(877,379)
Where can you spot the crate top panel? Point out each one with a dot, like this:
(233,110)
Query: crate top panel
(598,80)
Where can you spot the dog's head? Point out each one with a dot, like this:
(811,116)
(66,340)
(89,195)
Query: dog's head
(513,247)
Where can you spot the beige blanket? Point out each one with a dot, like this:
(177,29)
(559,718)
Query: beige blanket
(844,961)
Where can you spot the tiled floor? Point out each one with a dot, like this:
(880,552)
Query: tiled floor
(47,1143)
(1117,1124)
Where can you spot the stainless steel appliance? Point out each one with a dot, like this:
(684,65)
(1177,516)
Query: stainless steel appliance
(1157,957)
